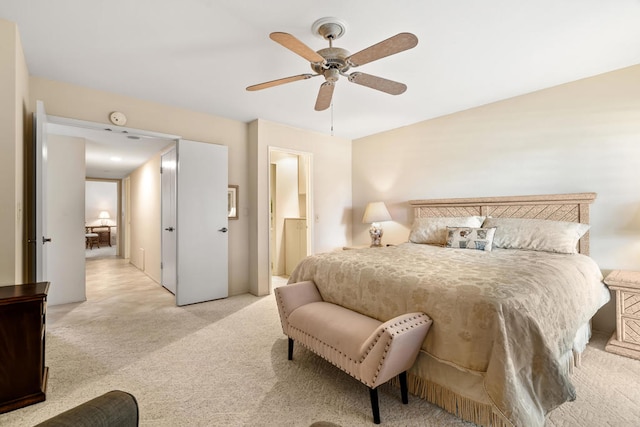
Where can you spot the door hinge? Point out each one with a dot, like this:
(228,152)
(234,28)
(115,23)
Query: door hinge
(161,266)
(160,169)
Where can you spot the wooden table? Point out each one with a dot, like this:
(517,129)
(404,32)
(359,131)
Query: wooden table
(103,232)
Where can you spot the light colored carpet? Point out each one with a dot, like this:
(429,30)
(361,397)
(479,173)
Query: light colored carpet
(224,363)
(100,252)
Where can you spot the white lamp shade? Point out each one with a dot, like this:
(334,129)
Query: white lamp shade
(104,215)
(376,212)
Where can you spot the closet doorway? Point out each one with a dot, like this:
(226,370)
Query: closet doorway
(290,228)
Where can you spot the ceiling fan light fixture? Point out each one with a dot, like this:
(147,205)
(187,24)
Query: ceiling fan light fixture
(332,75)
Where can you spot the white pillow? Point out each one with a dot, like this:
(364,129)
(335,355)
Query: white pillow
(536,234)
(433,230)
(470,238)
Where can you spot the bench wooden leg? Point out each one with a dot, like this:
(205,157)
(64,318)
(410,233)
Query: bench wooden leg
(403,387)
(373,393)
(290,350)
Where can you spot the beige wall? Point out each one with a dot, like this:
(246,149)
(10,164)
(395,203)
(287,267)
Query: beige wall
(578,137)
(331,189)
(14,97)
(71,101)
(145,218)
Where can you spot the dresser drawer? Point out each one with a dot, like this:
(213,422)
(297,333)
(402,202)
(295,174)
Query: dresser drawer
(630,303)
(630,331)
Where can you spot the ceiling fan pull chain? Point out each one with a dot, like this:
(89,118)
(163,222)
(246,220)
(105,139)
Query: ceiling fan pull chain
(332,119)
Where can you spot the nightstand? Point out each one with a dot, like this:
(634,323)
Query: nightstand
(626,339)
(346,248)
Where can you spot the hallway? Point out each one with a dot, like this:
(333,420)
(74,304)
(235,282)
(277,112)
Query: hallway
(116,286)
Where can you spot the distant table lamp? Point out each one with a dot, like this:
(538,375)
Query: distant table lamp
(374,214)
(104,216)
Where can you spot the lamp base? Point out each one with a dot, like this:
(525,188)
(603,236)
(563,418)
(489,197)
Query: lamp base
(375,231)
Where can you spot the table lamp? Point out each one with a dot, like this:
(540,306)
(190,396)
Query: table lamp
(104,216)
(374,214)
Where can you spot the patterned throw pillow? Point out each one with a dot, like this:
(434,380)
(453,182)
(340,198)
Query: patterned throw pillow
(470,238)
(433,230)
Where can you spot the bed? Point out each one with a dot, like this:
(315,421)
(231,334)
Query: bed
(510,322)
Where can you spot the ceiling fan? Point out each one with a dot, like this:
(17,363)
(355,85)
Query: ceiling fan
(333,62)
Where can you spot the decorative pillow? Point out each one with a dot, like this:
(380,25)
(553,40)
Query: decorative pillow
(433,230)
(470,238)
(537,234)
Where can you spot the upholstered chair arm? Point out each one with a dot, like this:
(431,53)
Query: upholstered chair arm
(393,348)
(115,408)
(292,296)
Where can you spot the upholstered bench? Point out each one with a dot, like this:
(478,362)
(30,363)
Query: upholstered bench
(371,351)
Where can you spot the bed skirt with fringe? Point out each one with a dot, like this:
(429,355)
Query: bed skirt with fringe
(463,393)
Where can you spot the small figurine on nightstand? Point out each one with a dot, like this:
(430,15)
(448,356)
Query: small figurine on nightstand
(374,214)
(375,231)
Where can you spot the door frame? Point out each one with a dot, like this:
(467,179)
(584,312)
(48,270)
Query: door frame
(65,121)
(35,213)
(169,205)
(308,159)
(120,217)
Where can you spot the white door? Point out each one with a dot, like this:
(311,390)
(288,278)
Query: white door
(65,219)
(202,242)
(40,239)
(59,213)
(168,184)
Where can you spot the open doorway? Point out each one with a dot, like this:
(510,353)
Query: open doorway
(102,214)
(289,212)
(202,170)
(105,156)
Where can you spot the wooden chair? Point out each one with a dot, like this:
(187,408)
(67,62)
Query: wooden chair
(91,239)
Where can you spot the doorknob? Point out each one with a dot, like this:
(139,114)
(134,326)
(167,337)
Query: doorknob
(169,228)
(45,239)
(223,229)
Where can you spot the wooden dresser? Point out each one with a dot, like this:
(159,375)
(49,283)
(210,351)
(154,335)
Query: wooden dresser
(626,339)
(23,376)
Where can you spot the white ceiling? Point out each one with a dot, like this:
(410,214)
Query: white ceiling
(112,152)
(201,54)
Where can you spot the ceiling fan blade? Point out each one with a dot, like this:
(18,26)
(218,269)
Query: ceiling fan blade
(278,82)
(296,46)
(398,43)
(324,96)
(378,83)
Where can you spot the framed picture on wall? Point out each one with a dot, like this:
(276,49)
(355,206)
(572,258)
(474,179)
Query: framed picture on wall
(232,202)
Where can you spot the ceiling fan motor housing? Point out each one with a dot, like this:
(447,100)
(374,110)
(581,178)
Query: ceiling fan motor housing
(335,58)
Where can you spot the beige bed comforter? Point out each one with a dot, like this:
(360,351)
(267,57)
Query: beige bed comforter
(508,314)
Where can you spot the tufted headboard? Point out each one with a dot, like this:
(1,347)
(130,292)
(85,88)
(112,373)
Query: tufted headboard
(558,207)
